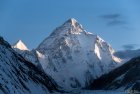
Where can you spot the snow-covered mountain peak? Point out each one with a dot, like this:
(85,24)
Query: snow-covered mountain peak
(83,55)
(20,45)
(72,22)
(71,26)
(73,57)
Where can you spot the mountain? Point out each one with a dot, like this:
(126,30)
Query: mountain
(20,45)
(18,76)
(74,57)
(125,77)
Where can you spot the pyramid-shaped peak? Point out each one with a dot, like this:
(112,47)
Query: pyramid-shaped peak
(19,41)
(71,26)
(20,45)
(72,22)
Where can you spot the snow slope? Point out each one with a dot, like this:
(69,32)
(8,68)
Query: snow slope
(18,76)
(74,57)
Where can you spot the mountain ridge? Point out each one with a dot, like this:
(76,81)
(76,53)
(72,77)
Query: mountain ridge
(20,76)
(125,77)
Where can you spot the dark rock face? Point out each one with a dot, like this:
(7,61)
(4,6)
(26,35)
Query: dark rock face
(18,76)
(126,76)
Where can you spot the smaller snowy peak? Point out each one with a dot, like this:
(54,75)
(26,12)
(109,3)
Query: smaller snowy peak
(20,45)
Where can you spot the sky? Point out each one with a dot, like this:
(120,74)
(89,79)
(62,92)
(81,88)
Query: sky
(116,21)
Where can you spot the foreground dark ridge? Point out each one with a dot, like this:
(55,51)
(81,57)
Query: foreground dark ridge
(18,76)
(126,76)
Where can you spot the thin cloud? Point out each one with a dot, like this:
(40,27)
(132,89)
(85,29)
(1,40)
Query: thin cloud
(113,19)
(116,22)
(129,46)
(111,16)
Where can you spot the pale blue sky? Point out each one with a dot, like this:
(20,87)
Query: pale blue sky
(116,21)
